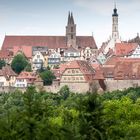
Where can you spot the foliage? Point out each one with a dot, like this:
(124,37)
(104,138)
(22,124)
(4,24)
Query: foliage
(47,77)
(65,115)
(28,67)
(64,92)
(2,63)
(19,63)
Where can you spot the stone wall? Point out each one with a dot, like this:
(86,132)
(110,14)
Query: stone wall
(121,84)
(77,87)
(10,89)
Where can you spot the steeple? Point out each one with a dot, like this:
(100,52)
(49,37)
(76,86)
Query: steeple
(69,18)
(72,20)
(115,11)
(115,32)
(71,31)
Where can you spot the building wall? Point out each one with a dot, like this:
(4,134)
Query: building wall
(72,76)
(121,84)
(77,87)
(3,81)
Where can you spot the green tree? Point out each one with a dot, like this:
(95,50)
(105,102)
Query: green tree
(64,92)
(2,63)
(47,77)
(19,63)
(28,67)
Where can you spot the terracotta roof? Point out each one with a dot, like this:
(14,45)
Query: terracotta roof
(128,70)
(112,60)
(123,49)
(89,72)
(108,71)
(27,50)
(26,75)
(122,68)
(4,54)
(7,71)
(71,49)
(51,42)
(86,41)
(99,73)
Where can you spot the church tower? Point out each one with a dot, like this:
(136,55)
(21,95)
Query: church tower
(115,32)
(71,31)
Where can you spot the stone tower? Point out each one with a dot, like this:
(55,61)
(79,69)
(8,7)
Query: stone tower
(115,32)
(71,31)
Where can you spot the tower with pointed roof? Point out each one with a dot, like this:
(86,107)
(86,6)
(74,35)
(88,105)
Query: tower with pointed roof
(71,31)
(115,32)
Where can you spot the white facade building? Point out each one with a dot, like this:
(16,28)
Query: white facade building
(37,61)
(136,53)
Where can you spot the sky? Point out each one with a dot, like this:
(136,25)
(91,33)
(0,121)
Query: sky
(49,17)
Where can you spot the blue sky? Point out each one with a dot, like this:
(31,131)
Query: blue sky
(49,17)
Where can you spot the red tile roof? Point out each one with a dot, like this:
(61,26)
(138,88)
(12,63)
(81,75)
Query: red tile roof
(26,75)
(112,60)
(7,71)
(27,50)
(128,70)
(89,72)
(49,41)
(123,49)
(5,54)
(122,68)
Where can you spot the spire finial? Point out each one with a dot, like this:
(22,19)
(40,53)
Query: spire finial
(69,18)
(72,19)
(114,4)
(115,9)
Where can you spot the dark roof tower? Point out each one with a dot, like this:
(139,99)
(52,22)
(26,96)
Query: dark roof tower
(115,11)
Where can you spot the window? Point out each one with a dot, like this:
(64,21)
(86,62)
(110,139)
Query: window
(71,29)
(38,56)
(71,36)
(81,78)
(73,71)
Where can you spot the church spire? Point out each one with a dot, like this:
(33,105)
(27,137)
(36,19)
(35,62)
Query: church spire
(115,10)
(71,31)
(72,19)
(69,18)
(115,32)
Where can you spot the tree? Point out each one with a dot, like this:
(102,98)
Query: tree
(2,63)
(19,63)
(64,92)
(28,67)
(47,77)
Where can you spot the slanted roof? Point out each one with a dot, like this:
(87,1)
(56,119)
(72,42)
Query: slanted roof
(5,54)
(123,49)
(52,42)
(7,71)
(71,49)
(26,75)
(26,50)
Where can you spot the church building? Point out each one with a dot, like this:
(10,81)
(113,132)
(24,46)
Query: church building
(61,43)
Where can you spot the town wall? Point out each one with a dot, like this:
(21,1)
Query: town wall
(121,84)
(77,87)
(11,89)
